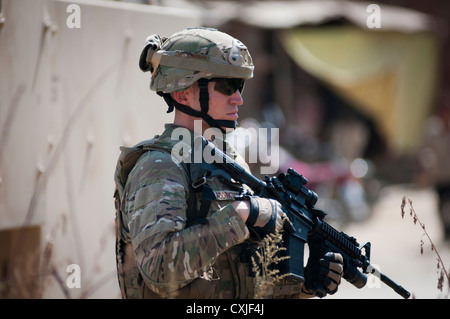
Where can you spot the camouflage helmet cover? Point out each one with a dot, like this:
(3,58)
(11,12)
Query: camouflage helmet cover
(191,54)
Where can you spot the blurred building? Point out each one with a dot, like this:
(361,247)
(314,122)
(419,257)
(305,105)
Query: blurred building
(71,93)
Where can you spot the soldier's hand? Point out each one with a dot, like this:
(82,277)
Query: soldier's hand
(333,267)
(326,275)
(267,215)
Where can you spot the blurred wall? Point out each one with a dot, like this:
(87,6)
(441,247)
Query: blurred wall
(71,93)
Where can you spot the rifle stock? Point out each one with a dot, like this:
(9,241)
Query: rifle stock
(310,228)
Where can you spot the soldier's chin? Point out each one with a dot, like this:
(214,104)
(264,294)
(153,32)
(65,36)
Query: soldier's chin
(231,129)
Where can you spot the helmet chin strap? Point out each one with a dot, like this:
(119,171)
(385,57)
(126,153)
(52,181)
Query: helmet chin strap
(204,105)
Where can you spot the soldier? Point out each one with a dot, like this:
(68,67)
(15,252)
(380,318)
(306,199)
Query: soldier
(176,242)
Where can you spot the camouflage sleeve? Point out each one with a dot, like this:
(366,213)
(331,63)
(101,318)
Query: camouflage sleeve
(168,254)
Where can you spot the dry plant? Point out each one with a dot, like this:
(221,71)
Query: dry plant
(268,255)
(29,275)
(441,269)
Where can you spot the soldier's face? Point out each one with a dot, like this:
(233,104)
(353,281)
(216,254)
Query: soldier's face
(224,107)
(221,106)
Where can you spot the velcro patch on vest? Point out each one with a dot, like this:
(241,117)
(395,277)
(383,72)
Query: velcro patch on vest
(226,195)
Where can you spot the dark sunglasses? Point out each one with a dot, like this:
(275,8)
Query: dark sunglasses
(228,86)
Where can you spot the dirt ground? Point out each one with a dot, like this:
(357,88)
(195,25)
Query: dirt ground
(396,246)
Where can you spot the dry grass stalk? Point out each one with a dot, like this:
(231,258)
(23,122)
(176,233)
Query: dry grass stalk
(266,274)
(441,269)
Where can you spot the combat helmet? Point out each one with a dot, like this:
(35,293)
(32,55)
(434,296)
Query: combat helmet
(194,55)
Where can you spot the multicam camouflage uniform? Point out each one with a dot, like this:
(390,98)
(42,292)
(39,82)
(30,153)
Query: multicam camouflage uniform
(172,260)
(157,255)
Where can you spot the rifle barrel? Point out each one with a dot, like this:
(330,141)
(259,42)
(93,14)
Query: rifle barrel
(397,288)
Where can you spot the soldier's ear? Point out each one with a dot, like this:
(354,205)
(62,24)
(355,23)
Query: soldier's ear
(185,97)
(180,97)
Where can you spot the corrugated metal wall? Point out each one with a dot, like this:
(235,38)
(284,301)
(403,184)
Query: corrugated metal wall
(69,97)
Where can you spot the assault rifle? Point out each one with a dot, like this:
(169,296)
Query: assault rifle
(309,226)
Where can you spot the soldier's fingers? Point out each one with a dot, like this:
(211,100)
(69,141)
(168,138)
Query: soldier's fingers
(330,285)
(334,257)
(336,267)
(335,277)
